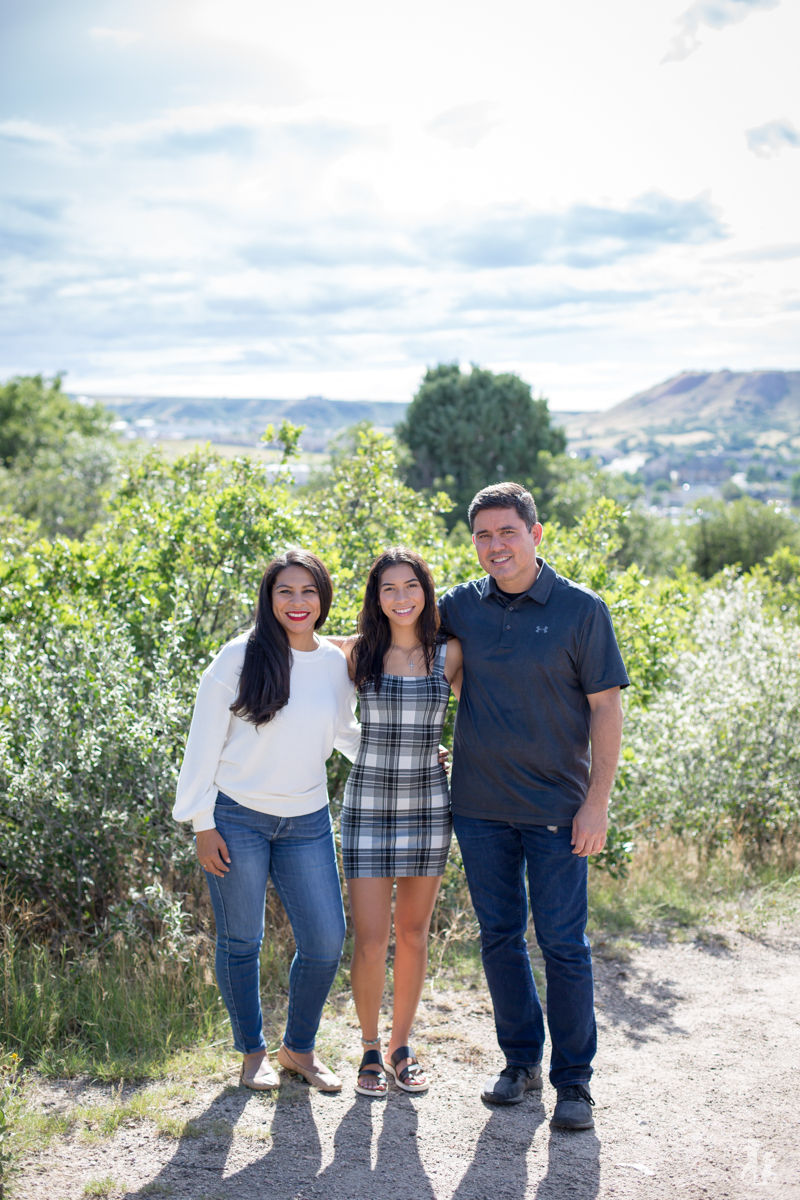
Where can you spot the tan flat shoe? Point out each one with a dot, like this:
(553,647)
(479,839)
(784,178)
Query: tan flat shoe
(263,1079)
(323,1079)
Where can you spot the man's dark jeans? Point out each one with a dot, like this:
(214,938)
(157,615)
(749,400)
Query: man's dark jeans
(495,854)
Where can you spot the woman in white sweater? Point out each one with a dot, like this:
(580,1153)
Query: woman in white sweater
(270,709)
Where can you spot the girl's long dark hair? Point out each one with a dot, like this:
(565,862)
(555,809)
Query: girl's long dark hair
(264,682)
(373,624)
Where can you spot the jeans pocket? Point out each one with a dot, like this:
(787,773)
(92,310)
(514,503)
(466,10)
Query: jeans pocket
(226,802)
(316,824)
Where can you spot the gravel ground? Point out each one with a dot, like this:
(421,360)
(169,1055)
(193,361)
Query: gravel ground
(696,1086)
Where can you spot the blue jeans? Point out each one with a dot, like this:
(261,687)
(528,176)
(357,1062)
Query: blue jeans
(299,854)
(495,854)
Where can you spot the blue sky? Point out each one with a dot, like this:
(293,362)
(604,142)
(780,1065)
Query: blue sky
(244,198)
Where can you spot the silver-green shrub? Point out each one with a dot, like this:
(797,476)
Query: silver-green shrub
(716,755)
(89,741)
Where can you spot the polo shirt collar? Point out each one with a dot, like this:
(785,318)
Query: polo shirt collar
(540,589)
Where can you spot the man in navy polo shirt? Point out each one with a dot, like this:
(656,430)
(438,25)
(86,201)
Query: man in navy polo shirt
(536,745)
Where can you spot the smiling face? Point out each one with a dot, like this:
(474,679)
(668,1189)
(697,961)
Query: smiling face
(506,547)
(401,595)
(296,605)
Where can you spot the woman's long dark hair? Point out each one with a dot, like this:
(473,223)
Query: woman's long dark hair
(264,682)
(373,624)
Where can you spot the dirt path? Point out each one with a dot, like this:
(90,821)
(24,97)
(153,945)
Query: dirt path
(696,1086)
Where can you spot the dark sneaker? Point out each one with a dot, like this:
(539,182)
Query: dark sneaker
(510,1086)
(573,1108)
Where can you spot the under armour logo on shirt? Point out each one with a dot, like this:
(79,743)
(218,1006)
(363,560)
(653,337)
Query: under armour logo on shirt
(541,629)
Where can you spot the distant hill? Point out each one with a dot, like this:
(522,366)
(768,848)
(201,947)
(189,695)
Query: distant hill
(731,408)
(244,420)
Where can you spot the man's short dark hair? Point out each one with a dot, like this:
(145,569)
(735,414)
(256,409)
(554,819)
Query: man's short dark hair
(505,495)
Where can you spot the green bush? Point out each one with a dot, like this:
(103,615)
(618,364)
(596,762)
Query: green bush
(105,639)
(64,487)
(89,751)
(569,487)
(715,756)
(745,532)
(184,542)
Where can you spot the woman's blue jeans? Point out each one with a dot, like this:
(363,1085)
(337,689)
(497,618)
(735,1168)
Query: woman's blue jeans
(299,854)
(495,855)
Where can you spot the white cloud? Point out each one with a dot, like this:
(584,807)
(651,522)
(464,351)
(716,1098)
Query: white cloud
(768,140)
(466,125)
(29,133)
(313,199)
(118,37)
(716,14)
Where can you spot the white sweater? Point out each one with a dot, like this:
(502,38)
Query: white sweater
(278,768)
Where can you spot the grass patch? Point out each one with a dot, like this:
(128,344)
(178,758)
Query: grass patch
(122,1014)
(34,1131)
(175,1127)
(670,888)
(97,1122)
(100,1187)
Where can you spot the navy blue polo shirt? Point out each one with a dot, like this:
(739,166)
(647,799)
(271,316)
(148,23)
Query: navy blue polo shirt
(521,747)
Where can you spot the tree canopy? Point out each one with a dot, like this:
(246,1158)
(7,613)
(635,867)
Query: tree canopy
(465,431)
(35,414)
(744,533)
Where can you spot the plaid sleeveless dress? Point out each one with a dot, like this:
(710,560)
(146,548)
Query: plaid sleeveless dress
(396,815)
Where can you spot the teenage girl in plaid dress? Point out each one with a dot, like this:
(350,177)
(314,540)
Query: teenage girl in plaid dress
(396,823)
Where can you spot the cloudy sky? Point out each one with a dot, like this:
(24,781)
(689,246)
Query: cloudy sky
(251,198)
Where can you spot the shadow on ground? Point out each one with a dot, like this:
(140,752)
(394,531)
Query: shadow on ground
(642,1007)
(499,1166)
(573,1167)
(290,1168)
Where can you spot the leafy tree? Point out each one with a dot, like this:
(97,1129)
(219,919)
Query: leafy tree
(63,487)
(464,432)
(185,542)
(649,616)
(568,487)
(654,544)
(745,532)
(35,414)
(572,487)
(731,490)
(57,458)
(778,581)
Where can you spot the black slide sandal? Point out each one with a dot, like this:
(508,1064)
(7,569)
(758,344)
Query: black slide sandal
(405,1079)
(372,1056)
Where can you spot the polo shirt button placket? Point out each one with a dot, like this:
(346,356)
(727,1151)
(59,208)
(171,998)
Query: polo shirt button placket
(506,627)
